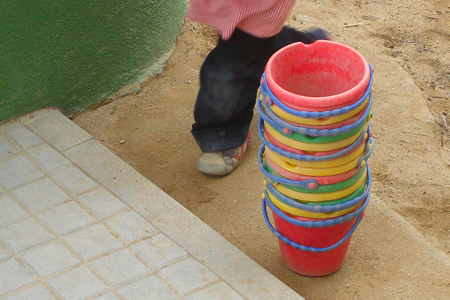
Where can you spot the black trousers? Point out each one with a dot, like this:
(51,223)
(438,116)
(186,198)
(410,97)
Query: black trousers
(229,81)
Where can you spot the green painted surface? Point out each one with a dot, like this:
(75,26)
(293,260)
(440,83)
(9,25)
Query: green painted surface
(72,54)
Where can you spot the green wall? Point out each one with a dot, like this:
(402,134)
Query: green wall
(74,53)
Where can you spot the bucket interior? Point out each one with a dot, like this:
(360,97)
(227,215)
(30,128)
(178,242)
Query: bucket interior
(317,70)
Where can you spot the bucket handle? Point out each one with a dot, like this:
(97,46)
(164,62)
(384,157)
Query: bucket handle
(313,115)
(281,125)
(368,151)
(303,157)
(320,208)
(307,248)
(322,223)
(310,184)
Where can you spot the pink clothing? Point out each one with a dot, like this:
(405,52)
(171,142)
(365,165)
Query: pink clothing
(261,18)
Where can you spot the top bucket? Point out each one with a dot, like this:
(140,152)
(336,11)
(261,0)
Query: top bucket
(322,76)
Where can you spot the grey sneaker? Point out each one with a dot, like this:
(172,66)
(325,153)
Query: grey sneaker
(223,162)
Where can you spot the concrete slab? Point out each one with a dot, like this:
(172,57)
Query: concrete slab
(77,222)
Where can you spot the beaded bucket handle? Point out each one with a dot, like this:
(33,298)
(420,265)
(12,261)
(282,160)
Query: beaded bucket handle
(310,224)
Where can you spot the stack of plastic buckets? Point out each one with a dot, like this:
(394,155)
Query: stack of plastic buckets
(314,123)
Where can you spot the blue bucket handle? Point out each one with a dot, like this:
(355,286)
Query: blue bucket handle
(310,184)
(322,223)
(322,208)
(280,124)
(302,157)
(368,151)
(358,213)
(314,114)
(305,184)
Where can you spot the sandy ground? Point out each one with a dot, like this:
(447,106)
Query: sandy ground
(408,44)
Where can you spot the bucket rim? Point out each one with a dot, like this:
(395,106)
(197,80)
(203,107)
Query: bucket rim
(319,180)
(317,102)
(317,215)
(318,207)
(315,223)
(290,127)
(274,177)
(270,99)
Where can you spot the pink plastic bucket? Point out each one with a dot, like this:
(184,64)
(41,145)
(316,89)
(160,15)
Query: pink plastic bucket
(322,76)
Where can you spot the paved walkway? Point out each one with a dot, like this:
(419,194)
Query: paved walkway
(76,222)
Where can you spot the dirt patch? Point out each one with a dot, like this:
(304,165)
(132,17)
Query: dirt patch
(408,44)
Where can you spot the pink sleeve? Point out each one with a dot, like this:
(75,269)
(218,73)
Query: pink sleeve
(261,18)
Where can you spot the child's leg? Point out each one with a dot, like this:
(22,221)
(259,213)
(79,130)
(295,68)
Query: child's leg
(229,80)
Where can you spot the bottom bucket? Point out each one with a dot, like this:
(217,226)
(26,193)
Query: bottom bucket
(310,247)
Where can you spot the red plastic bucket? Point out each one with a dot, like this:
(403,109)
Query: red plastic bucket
(311,249)
(324,75)
(313,263)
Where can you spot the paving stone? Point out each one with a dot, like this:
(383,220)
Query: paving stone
(36,292)
(17,171)
(22,135)
(131,226)
(55,128)
(119,267)
(211,292)
(10,210)
(7,150)
(49,258)
(102,203)
(159,251)
(24,234)
(65,218)
(147,289)
(48,157)
(108,296)
(92,241)
(40,195)
(13,276)
(78,283)
(188,275)
(72,178)
(3,255)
